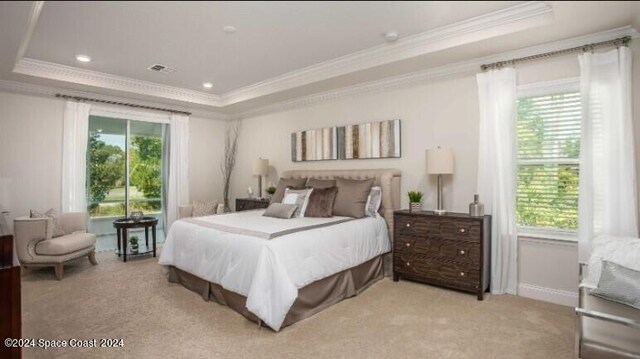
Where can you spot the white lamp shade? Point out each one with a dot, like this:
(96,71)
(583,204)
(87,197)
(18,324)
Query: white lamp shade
(440,161)
(261,167)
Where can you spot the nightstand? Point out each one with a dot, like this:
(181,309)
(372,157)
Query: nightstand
(245,204)
(450,250)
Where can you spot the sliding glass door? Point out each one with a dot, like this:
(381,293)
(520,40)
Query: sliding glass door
(124,173)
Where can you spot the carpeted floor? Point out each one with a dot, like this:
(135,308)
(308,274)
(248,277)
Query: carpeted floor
(156,319)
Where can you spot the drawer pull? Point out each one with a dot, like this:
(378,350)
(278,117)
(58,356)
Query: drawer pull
(462,252)
(408,264)
(462,230)
(462,274)
(408,244)
(408,224)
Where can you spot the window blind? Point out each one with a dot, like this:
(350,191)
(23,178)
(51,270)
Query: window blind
(548,130)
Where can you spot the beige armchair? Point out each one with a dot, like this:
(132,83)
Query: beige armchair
(38,248)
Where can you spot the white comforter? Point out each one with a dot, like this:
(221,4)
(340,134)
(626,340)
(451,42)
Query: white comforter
(269,272)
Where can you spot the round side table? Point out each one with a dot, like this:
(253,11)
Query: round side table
(123,225)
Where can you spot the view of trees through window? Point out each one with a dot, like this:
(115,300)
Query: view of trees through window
(107,176)
(548,130)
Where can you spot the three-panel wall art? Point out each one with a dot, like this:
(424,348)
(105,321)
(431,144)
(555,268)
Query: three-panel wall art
(361,141)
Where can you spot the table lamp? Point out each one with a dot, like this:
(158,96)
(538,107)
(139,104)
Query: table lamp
(440,162)
(260,168)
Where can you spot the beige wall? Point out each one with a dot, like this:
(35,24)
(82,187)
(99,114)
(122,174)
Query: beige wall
(442,112)
(31,154)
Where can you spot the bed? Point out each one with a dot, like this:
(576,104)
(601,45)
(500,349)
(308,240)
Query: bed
(278,276)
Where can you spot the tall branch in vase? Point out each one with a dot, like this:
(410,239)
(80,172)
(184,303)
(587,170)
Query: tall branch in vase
(229,161)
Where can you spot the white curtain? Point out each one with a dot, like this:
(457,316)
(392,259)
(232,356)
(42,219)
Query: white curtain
(607,203)
(74,156)
(497,172)
(178,171)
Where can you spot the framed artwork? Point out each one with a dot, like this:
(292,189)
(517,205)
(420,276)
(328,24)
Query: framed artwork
(315,145)
(370,140)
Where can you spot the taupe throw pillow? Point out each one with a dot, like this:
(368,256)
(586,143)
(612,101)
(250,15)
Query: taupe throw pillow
(321,202)
(293,183)
(280,210)
(619,284)
(352,197)
(320,183)
(57,230)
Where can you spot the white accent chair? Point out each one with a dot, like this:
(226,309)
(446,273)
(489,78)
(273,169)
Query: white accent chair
(37,247)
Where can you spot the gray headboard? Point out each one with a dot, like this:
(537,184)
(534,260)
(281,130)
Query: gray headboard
(388,179)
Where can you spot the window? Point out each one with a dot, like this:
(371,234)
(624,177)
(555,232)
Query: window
(548,130)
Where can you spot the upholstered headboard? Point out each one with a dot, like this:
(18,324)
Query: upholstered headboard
(388,179)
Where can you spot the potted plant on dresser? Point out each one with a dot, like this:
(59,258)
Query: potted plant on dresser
(415,201)
(270,191)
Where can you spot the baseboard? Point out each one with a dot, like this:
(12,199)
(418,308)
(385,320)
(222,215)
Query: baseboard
(562,297)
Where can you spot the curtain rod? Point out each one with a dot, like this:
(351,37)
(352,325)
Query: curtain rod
(78,98)
(622,41)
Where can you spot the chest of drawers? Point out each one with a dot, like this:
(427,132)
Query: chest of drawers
(450,250)
(246,204)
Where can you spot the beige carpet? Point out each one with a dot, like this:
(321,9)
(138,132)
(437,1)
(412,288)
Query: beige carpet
(157,319)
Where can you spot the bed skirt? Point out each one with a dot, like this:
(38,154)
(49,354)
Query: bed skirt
(312,298)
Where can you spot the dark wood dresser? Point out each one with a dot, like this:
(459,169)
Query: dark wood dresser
(451,250)
(10,305)
(245,204)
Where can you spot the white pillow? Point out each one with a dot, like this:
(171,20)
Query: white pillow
(299,197)
(373,202)
(624,251)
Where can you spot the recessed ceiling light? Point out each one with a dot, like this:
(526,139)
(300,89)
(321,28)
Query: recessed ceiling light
(229,29)
(207,85)
(391,36)
(83,58)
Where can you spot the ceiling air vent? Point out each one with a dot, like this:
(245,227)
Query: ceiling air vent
(161,68)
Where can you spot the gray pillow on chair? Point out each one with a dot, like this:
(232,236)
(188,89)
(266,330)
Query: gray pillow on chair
(619,284)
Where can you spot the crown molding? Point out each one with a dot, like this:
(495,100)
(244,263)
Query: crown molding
(34,15)
(48,91)
(49,70)
(424,76)
(502,22)
(505,21)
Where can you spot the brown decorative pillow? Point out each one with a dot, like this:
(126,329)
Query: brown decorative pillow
(293,183)
(321,202)
(320,183)
(352,197)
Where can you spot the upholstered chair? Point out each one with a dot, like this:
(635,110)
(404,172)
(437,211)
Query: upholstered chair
(38,248)
(606,328)
(198,209)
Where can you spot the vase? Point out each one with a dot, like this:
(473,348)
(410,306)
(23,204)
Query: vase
(134,248)
(476,209)
(415,206)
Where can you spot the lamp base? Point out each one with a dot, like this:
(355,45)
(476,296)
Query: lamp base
(440,212)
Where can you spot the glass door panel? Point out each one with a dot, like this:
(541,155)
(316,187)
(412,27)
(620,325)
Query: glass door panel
(145,168)
(124,174)
(106,176)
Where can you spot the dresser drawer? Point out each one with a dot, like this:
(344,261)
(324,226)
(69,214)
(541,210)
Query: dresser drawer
(438,270)
(454,250)
(416,226)
(469,230)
